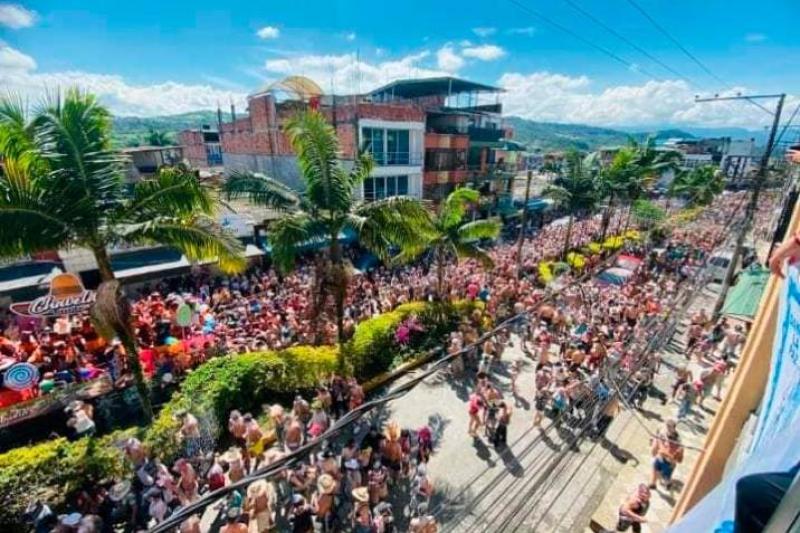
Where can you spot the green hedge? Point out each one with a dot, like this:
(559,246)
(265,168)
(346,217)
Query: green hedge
(53,470)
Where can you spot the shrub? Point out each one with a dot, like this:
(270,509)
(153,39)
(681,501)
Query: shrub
(632,235)
(613,243)
(594,248)
(244,382)
(545,270)
(576,260)
(52,471)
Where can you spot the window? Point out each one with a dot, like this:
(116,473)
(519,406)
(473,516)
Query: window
(381,187)
(387,146)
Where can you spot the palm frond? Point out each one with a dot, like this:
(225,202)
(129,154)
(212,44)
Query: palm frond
(74,136)
(397,221)
(328,185)
(289,234)
(455,205)
(261,190)
(199,237)
(472,251)
(173,192)
(32,218)
(480,229)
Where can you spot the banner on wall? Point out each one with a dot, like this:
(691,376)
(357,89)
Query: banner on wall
(774,445)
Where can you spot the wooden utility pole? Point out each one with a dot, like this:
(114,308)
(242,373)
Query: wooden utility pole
(752,205)
(524,222)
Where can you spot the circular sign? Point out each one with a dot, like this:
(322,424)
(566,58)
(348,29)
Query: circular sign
(183,316)
(21,376)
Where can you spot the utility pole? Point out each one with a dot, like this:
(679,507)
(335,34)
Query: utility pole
(524,223)
(752,205)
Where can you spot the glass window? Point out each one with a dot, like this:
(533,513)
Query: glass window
(369,189)
(380,190)
(391,186)
(397,147)
(402,185)
(373,143)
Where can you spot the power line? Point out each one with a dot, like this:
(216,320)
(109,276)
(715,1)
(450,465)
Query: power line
(630,43)
(788,124)
(606,51)
(690,55)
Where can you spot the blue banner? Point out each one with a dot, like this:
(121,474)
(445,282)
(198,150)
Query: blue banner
(774,447)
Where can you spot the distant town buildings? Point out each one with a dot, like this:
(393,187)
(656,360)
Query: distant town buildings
(146,160)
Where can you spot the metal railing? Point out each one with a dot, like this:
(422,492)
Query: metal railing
(387,159)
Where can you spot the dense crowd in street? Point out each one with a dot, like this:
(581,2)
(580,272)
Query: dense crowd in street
(587,347)
(259,310)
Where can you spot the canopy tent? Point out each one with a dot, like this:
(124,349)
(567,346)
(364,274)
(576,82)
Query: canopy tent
(743,299)
(614,276)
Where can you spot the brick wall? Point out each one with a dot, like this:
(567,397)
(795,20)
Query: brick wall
(194,150)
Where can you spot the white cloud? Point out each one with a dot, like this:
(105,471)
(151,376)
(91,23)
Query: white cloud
(269,32)
(349,74)
(484,31)
(18,75)
(351,36)
(527,30)
(448,60)
(15,16)
(12,60)
(486,52)
(755,37)
(553,97)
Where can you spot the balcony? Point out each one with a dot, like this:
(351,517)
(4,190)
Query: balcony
(446,141)
(432,177)
(397,159)
(485,134)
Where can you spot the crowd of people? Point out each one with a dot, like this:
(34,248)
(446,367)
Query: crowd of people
(258,310)
(586,344)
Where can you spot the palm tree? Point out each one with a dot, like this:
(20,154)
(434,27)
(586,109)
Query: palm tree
(63,187)
(158,138)
(699,185)
(450,238)
(575,190)
(328,207)
(613,183)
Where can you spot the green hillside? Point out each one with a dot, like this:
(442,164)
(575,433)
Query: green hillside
(549,136)
(133,131)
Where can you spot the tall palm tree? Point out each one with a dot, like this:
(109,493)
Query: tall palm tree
(63,187)
(328,207)
(699,185)
(575,190)
(613,183)
(451,238)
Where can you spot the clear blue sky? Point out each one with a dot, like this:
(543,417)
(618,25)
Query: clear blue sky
(755,45)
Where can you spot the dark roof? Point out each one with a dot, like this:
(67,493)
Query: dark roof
(415,88)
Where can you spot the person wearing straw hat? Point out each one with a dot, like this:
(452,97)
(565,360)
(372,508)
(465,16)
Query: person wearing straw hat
(362,515)
(234,522)
(323,501)
(233,457)
(260,501)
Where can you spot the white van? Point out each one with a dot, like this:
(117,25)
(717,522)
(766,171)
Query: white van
(719,263)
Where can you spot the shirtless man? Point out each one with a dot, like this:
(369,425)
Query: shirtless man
(294,435)
(238,428)
(190,433)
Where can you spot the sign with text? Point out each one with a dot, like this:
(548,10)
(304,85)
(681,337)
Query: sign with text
(67,296)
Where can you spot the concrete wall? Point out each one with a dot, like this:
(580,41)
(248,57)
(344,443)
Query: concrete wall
(281,167)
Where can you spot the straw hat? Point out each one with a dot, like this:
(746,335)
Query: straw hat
(119,490)
(231,455)
(392,431)
(361,494)
(326,484)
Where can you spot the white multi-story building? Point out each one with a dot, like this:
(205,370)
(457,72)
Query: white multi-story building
(397,149)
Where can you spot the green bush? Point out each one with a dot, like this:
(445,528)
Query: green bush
(52,471)
(242,381)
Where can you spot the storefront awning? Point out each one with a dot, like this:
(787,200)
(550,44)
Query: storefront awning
(743,299)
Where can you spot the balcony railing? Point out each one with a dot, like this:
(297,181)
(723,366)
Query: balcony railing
(388,159)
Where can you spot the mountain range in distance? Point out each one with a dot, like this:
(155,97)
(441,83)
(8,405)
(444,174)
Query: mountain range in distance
(537,136)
